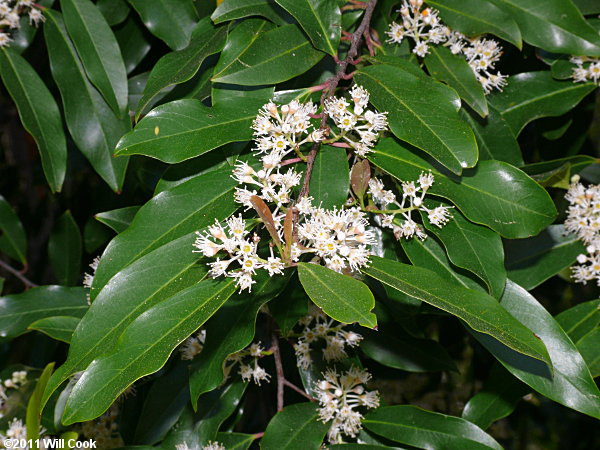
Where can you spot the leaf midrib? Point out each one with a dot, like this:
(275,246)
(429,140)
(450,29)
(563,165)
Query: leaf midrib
(525,103)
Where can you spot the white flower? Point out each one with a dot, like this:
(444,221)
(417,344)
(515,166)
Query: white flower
(193,345)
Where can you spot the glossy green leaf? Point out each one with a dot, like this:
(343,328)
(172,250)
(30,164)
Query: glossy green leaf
(178,67)
(494,137)
(297,426)
(184,129)
(118,219)
(393,347)
(554,25)
(133,43)
(494,193)
(13,241)
(423,113)
(498,398)
(330,178)
(114,11)
(39,114)
(34,410)
(237,9)
(478,309)
(235,441)
(98,50)
(92,124)
(569,382)
(18,311)
(320,19)
(532,261)
(414,426)
(474,248)
(454,70)
(531,95)
(230,330)
(150,280)
(144,347)
(95,235)
(169,20)
(60,328)
(64,250)
(341,297)
(588,6)
(589,346)
(580,320)
(267,58)
(475,17)
(171,214)
(577,163)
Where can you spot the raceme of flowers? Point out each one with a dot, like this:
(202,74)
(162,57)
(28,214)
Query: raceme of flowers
(583,219)
(10,17)
(319,327)
(424,27)
(587,69)
(337,238)
(340,396)
(18,378)
(413,194)
(249,368)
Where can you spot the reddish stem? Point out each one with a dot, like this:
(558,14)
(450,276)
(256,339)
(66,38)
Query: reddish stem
(340,144)
(290,161)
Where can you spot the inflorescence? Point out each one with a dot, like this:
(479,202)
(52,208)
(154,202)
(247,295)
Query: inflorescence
(10,17)
(425,27)
(587,69)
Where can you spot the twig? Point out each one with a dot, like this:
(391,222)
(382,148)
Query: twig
(279,369)
(298,390)
(26,281)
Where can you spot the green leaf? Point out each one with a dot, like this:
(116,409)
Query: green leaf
(423,113)
(152,279)
(330,178)
(297,426)
(494,137)
(39,114)
(118,219)
(178,67)
(532,261)
(114,11)
(230,330)
(478,309)
(237,9)
(60,328)
(498,398)
(341,297)
(173,213)
(320,19)
(252,57)
(13,241)
(393,347)
(475,17)
(64,250)
(34,411)
(18,311)
(95,235)
(474,248)
(494,193)
(531,95)
(570,382)
(554,25)
(92,124)
(579,320)
(290,307)
(99,51)
(587,6)
(235,441)
(169,20)
(184,129)
(454,70)
(144,347)
(588,346)
(133,43)
(417,427)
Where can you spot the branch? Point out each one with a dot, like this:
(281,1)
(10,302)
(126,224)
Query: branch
(26,281)
(279,369)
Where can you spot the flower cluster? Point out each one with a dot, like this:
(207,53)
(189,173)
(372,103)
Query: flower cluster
(424,27)
(193,345)
(319,327)
(88,278)
(588,69)
(413,194)
(233,241)
(339,397)
(17,379)
(249,371)
(359,127)
(210,446)
(10,17)
(16,430)
(105,429)
(583,219)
